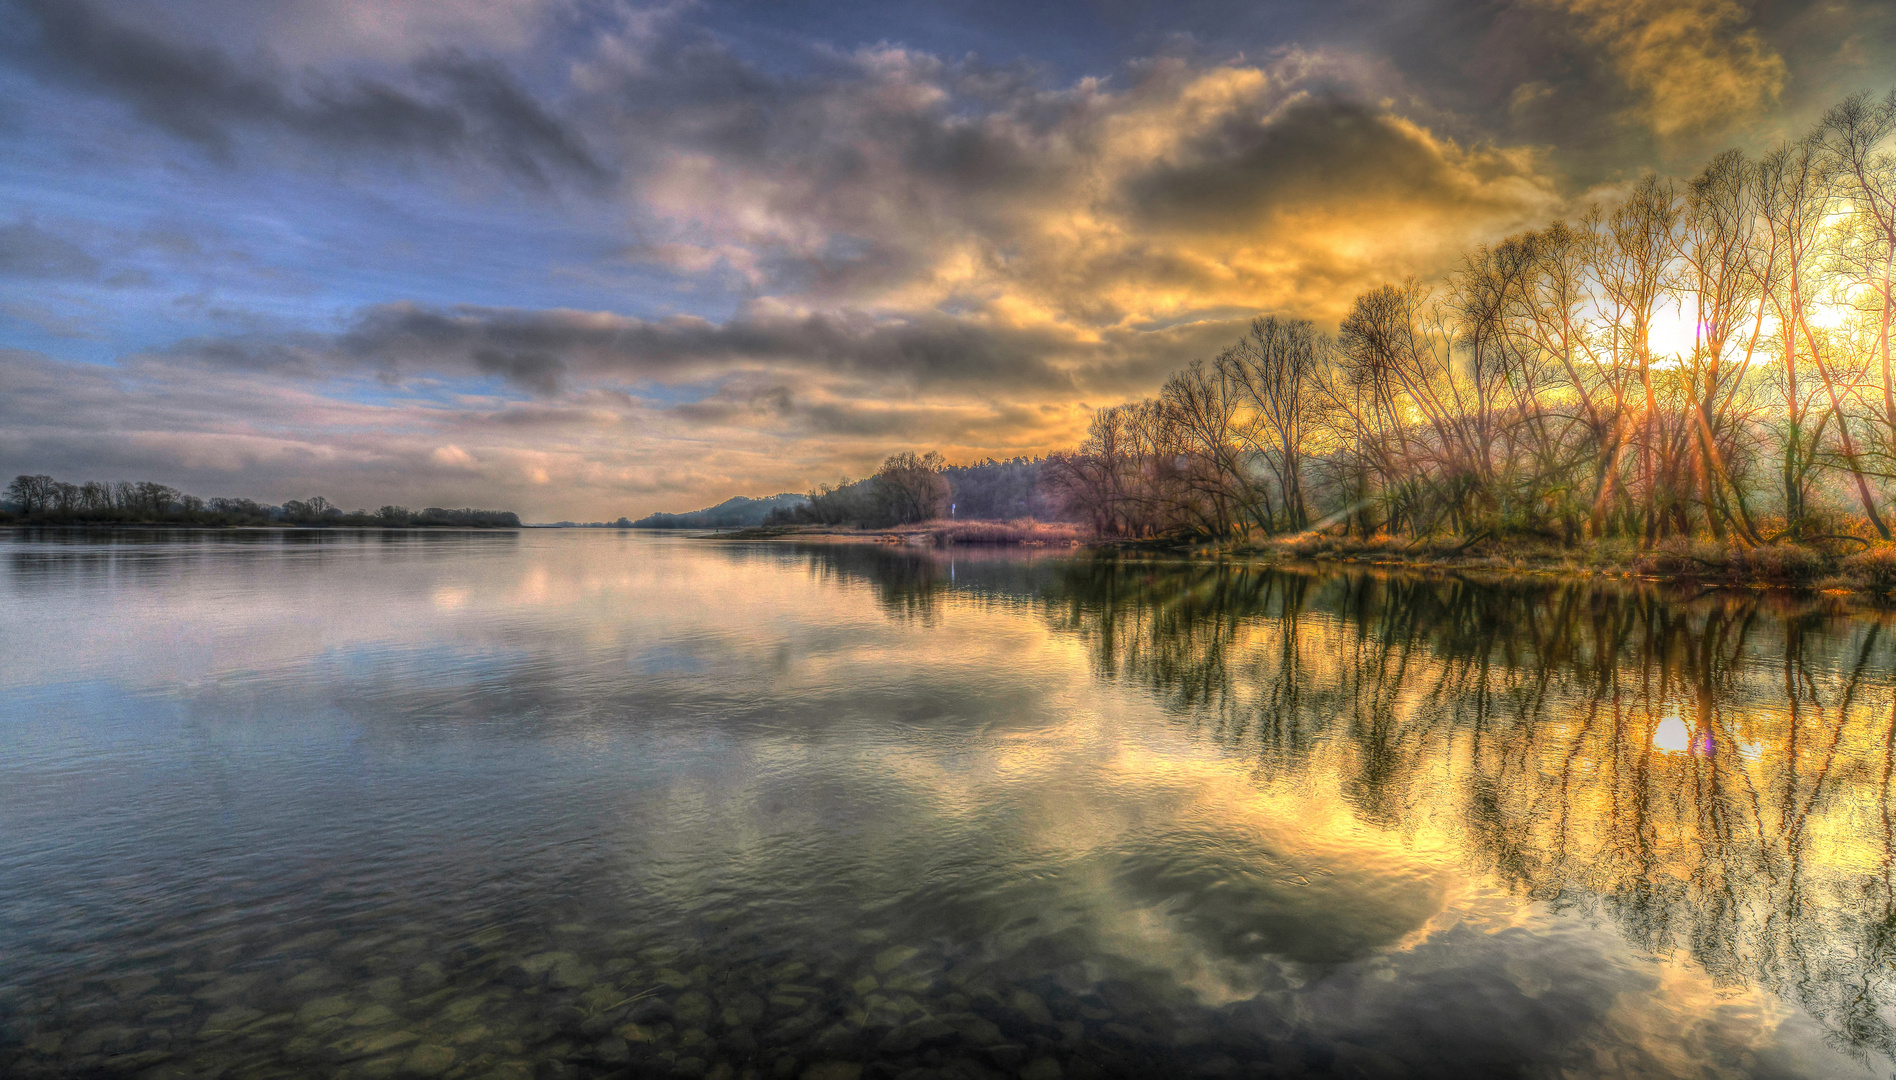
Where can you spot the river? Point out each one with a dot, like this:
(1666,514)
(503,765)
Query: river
(588,803)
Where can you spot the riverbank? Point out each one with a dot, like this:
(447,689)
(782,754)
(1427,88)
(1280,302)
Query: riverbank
(1024,532)
(1870,570)
(220,526)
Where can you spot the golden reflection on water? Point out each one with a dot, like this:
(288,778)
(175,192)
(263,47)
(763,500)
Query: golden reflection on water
(1711,776)
(1580,829)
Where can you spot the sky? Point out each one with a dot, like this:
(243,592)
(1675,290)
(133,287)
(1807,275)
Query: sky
(585,258)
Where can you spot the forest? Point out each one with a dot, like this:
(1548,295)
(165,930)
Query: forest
(912,487)
(43,500)
(1709,357)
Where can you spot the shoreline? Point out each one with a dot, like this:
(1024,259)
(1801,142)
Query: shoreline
(1870,573)
(207,526)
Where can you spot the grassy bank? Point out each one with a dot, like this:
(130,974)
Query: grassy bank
(1024,532)
(1839,565)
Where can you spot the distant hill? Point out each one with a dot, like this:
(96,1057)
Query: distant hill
(737,513)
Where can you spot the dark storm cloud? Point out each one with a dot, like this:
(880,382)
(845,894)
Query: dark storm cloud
(1316,151)
(458,106)
(538,350)
(843,375)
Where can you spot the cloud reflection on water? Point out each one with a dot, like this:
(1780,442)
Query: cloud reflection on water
(1361,814)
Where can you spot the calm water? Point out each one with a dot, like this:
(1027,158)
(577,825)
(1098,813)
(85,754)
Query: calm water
(581,804)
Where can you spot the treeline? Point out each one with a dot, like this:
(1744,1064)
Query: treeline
(1000,491)
(740,512)
(911,487)
(41,499)
(1534,391)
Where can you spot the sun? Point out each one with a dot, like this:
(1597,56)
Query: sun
(1672,337)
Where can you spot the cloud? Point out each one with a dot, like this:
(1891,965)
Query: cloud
(596,452)
(902,182)
(314,30)
(544,351)
(1694,64)
(452,106)
(453,457)
(28,251)
(827,249)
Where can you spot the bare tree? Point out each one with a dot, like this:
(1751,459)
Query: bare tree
(1275,365)
(911,488)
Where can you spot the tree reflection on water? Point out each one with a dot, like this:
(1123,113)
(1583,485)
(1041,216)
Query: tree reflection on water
(1711,773)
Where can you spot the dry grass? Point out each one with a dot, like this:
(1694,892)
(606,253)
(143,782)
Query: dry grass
(1874,569)
(1024,531)
(1819,562)
(1781,564)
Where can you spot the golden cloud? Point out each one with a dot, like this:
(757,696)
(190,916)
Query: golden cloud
(1693,63)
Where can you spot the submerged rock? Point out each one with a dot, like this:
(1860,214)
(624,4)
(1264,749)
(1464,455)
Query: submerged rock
(1042,1068)
(463,1008)
(558,969)
(832,1070)
(692,1008)
(650,1010)
(976,1029)
(127,1064)
(131,986)
(103,1040)
(891,958)
(427,977)
(313,978)
(743,1009)
(566,1018)
(382,1066)
(428,1060)
(323,1008)
(225,1021)
(916,1034)
(228,988)
(1030,1006)
(600,998)
(380,1043)
(612,1051)
(372,1015)
(1007,1055)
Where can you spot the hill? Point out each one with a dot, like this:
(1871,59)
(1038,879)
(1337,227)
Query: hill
(740,512)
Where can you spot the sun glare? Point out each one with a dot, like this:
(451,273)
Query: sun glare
(1673,336)
(1828,316)
(1672,736)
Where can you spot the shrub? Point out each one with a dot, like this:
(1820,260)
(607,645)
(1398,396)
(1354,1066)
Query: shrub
(1875,568)
(1778,562)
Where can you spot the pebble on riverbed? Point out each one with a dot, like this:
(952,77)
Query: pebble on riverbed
(617,1008)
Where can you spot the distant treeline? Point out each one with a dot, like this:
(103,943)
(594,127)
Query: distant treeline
(738,513)
(1710,358)
(43,500)
(911,487)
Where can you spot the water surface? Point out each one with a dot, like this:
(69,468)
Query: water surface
(588,803)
